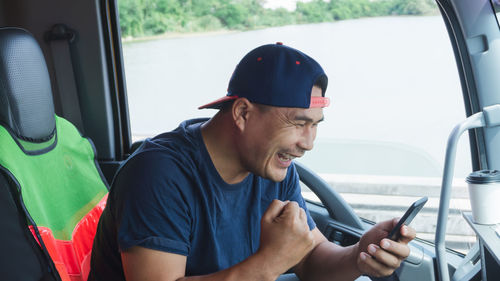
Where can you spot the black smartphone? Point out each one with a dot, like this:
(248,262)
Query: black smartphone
(395,233)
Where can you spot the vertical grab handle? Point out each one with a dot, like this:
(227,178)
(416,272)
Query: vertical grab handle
(474,121)
(489,117)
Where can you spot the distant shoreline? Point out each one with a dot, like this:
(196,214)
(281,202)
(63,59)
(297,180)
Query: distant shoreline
(173,35)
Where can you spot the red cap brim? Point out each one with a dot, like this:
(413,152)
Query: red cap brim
(315,102)
(217,103)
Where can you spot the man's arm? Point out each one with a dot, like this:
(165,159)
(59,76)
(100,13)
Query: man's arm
(285,240)
(142,264)
(373,255)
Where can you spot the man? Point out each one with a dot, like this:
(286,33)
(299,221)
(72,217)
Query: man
(219,199)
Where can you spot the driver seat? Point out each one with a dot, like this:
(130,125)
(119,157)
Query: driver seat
(52,191)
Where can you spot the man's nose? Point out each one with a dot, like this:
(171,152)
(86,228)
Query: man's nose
(307,139)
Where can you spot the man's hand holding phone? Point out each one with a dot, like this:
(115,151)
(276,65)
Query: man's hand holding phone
(377,254)
(395,233)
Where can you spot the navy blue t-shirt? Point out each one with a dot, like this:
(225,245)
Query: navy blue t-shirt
(169,197)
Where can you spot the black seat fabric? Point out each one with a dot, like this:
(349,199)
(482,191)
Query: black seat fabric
(27,111)
(21,257)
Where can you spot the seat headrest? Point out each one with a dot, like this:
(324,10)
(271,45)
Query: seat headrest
(26,105)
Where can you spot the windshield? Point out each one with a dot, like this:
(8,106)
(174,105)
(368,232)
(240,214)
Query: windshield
(393,84)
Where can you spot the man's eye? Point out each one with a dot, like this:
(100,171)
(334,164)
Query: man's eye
(300,124)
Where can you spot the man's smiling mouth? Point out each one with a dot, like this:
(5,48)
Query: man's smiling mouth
(285,157)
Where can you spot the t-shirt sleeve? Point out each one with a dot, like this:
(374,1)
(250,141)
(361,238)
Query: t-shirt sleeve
(152,205)
(294,193)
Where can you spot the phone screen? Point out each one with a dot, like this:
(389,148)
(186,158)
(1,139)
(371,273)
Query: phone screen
(406,219)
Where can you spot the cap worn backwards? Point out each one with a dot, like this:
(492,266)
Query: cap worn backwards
(276,75)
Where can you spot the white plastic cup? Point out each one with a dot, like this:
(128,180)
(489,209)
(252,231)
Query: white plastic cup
(484,195)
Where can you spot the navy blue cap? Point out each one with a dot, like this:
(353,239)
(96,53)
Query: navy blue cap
(276,75)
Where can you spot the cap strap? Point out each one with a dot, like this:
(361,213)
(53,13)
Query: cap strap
(319,102)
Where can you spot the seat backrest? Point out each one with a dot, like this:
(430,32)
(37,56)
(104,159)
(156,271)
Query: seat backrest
(50,170)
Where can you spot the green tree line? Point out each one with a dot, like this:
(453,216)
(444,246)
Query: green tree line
(153,17)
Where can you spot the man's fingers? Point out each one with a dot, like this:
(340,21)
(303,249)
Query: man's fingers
(291,209)
(303,215)
(286,211)
(274,209)
(385,255)
(396,248)
(372,266)
(407,234)
(386,258)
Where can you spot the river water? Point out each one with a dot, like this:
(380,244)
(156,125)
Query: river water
(393,83)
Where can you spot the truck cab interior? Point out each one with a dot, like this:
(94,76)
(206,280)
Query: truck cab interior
(66,128)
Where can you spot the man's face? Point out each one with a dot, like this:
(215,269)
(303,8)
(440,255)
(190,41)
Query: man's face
(278,135)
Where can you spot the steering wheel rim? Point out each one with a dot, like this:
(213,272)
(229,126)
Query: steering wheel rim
(331,199)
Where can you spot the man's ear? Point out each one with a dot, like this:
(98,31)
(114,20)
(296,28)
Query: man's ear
(240,112)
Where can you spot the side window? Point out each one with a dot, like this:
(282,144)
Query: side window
(393,84)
